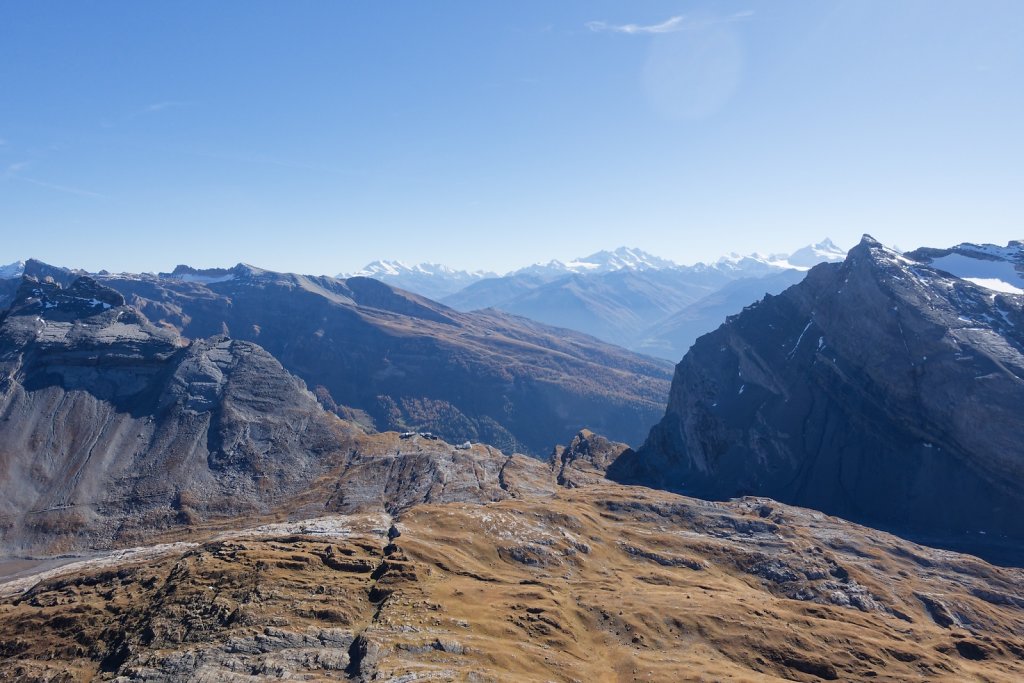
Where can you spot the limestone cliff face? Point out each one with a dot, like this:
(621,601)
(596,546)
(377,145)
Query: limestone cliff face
(880,389)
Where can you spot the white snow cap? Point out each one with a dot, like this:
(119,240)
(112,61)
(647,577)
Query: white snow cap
(384,269)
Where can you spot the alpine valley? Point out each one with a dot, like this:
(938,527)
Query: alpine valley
(416,473)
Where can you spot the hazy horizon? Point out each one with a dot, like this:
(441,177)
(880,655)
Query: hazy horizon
(226,265)
(480,136)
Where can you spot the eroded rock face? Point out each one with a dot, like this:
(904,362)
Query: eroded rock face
(113,430)
(109,422)
(880,389)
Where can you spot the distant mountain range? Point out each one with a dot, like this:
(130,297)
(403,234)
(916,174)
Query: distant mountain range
(431,280)
(629,298)
(434,276)
(625,296)
(670,337)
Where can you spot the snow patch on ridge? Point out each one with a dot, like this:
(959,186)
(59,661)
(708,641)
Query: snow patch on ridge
(995,285)
(998,272)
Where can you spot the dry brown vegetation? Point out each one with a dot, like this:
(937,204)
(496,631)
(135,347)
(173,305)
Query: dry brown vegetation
(600,583)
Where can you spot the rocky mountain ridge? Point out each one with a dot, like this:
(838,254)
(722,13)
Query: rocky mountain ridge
(399,361)
(881,389)
(112,424)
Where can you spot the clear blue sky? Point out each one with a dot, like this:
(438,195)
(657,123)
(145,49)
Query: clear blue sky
(317,136)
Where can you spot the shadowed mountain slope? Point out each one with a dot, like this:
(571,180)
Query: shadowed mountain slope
(880,389)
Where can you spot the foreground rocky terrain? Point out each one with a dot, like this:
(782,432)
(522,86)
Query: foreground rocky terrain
(885,389)
(600,582)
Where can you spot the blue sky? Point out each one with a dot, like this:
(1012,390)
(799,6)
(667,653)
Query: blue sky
(317,136)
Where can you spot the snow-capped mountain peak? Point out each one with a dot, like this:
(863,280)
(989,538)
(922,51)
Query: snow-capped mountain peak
(433,280)
(12,270)
(382,268)
(605,261)
(804,258)
(813,254)
(624,258)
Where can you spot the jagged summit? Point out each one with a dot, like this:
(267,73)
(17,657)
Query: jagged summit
(43,271)
(85,314)
(628,258)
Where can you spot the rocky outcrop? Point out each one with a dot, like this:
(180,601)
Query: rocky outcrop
(880,389)
(585,459)
(410,364)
